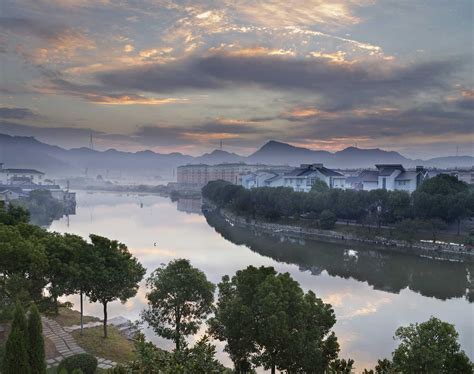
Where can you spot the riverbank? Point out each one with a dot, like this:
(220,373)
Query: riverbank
(436,250)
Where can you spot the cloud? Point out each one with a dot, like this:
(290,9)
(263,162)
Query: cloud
(17,113)
(338,85)
(97,94)
(57,41)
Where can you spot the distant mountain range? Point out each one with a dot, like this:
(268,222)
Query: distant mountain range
(21,151)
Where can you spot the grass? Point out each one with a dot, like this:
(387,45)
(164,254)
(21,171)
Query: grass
(116,347)
(69,317)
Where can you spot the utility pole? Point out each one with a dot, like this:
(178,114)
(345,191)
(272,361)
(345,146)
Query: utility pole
(91,142)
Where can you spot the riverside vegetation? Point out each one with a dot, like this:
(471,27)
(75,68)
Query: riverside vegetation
(264,317)
(438,202)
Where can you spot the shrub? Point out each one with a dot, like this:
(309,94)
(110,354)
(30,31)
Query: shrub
(84,361)
(16,360)
(327,220)
(36,342)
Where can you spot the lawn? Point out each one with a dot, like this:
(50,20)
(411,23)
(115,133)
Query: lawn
(69,317)
(116,347)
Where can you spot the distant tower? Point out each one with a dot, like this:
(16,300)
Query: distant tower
(91,142)
(221,144)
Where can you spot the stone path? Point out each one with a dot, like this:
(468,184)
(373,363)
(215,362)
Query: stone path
(66,345)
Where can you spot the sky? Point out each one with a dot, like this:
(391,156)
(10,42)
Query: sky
(185,75)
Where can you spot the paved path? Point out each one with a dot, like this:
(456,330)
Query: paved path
(65,344)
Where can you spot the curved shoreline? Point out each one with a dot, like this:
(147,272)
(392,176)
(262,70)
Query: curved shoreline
(446,251)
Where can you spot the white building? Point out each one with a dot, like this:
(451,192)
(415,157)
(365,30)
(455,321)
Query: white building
(261,179)
(391,177)
(18,176)
(303,178)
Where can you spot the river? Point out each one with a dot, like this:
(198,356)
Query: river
(371,292)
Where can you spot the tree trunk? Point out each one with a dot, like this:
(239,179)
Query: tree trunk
(273,369)
(177,331)
(105,319)
(56,307)
(82,312)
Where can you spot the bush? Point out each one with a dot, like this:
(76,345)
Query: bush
(84,361)
(327,220)
(36,342)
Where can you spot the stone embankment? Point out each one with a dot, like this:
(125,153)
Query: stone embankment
(437,250)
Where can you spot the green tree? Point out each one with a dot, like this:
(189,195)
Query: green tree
(180,298)
(327,220)
(117,273)
(60,255)
(13,215)
(36,342)
(16,360)
(319,186)
(430,347)
(267,320)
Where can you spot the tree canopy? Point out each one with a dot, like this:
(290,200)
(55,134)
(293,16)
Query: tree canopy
(117,273)
(180,298)
(267,320)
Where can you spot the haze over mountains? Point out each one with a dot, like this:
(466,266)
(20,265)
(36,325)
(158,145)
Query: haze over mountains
(20,151)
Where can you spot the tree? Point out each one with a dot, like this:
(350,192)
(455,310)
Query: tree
(327,220)
(13,215)
(180,298)
(36,342)
(16,360)
(81,271)
(267,320)
(319,186)
(60,255)
(116,273)
(430,347)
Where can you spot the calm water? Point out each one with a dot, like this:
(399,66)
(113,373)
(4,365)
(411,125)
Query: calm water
(372,292)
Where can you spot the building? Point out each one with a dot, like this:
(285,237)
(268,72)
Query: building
(389,177)
(9,194)
(11,176)
(303,178)
(196,176)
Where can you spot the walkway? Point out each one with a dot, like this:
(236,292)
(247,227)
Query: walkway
(65,344)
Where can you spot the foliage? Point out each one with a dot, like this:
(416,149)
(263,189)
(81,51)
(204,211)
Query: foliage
(430,347)
(180,298)
(199,359)
(327,220)
(267,320)
(116,273)
(16,360)
(341,367)
(319,186)
(83,361)
(442,197)
(36,342)
(13,215)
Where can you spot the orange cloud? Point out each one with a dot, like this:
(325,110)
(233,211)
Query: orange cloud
(131,100)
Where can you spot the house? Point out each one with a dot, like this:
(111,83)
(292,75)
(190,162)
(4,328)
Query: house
(390,177)
(7,176)
(258,179)
(303,178)
(9,194)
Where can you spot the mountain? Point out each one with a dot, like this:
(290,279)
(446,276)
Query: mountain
(275,152)
(218,157)
(27,152)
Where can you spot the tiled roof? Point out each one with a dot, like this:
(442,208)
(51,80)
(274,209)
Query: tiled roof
(369,176)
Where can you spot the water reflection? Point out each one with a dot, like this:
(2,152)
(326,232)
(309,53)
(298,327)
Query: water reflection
(385,271)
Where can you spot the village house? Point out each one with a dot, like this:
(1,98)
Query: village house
(303,178)
(19,176)
(390,177)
